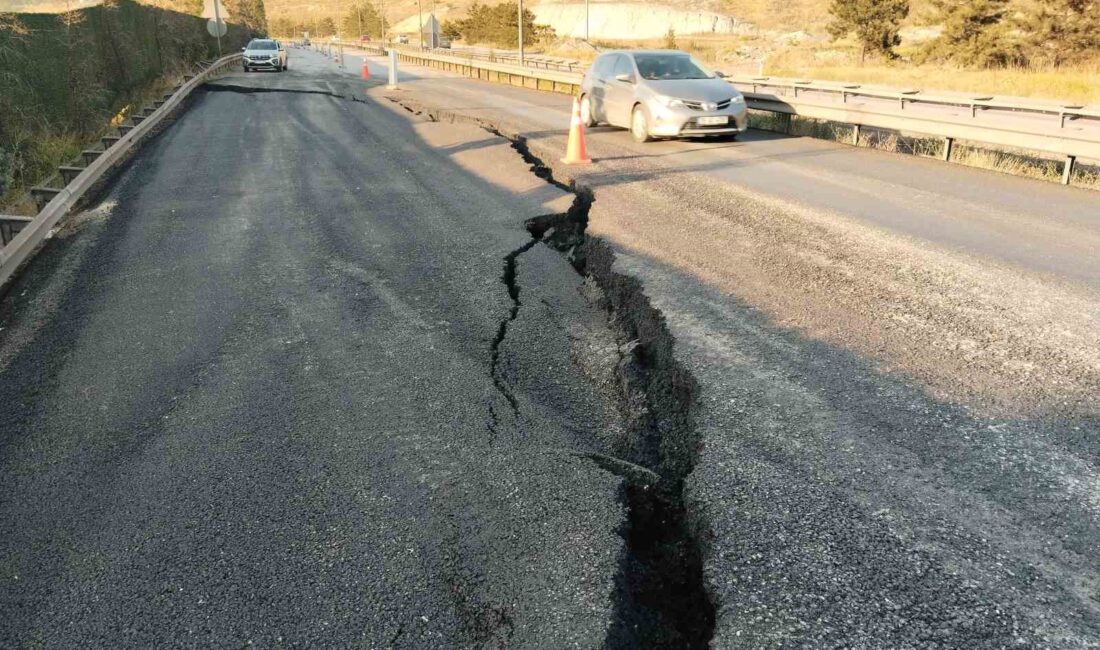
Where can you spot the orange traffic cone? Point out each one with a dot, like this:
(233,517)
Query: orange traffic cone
(575,152)
(366,70)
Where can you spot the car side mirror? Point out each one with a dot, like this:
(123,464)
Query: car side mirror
(624,77)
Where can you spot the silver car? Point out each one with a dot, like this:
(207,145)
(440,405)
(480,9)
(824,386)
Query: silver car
(660,93)
(261,53)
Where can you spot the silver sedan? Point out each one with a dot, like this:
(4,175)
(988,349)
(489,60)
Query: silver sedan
(660,93)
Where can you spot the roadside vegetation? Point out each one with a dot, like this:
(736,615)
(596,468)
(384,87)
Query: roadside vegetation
(65,78)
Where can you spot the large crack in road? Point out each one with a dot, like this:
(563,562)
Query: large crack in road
(661,598)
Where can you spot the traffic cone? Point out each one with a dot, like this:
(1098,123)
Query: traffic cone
(366,69)
(575,152)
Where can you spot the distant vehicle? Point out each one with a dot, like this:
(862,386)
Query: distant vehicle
(403,39)
(660,93)
(445,43)
(264,54)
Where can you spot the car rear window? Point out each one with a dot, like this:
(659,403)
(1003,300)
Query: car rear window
(262,45)
(658,67)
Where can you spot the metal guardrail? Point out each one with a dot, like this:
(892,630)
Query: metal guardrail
(1072,131)
(559,81)
(537,61)
(915,96)
(33,231)
(987,120)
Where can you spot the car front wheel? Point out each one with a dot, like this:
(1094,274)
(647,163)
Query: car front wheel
(587,116)
(639,125)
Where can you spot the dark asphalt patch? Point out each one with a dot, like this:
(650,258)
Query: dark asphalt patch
(253,90)
(255,409)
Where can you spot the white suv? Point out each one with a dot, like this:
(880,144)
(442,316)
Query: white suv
(266,54)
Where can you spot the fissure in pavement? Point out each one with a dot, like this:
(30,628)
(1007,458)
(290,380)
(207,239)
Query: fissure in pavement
(251,90)
(509,280)
(661,600)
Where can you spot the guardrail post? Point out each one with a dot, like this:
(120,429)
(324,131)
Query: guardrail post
(392,85)
(785,123)
(1067,170)
(948,148)
(855,135)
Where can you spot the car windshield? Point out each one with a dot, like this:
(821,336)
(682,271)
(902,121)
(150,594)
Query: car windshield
(262,45)
(658,67)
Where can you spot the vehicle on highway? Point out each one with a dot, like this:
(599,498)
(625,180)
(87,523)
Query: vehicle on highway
(445,43)
(660,93)
(403,39)
(264,54)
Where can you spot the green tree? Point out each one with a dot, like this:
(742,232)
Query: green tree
(498,25)
(1056,32)
(874,22)
(282,27)
(975,33)
(325,27)
(362,20)
(670,40)
(451,29)
(249,13)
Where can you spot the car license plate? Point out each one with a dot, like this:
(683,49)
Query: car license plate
(713,121)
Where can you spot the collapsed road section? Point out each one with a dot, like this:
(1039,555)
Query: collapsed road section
(662,600)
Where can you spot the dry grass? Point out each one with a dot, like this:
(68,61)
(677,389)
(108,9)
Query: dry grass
(1077,85)
(47,150)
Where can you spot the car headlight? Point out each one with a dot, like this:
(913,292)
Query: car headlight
(670,102)
(738,99)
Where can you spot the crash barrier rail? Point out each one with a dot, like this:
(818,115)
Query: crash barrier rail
(22,235)
(1068,131)
(1071,131)
(537,61)
(537,79)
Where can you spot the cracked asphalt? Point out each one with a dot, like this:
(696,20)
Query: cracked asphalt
(248,396)
(300,377)
(898,402)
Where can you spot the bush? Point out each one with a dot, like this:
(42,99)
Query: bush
(498,25)
(876,23)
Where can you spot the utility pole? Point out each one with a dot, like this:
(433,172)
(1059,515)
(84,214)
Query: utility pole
(420,19)
(585,21)
(520,2)
(359,12)
(218,25)
(382,17)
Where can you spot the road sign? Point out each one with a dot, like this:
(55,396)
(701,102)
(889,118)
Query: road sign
(217,28)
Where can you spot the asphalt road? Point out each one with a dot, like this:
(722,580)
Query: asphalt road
(1037,226)
(301,377)
(249,397)
(898,402)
